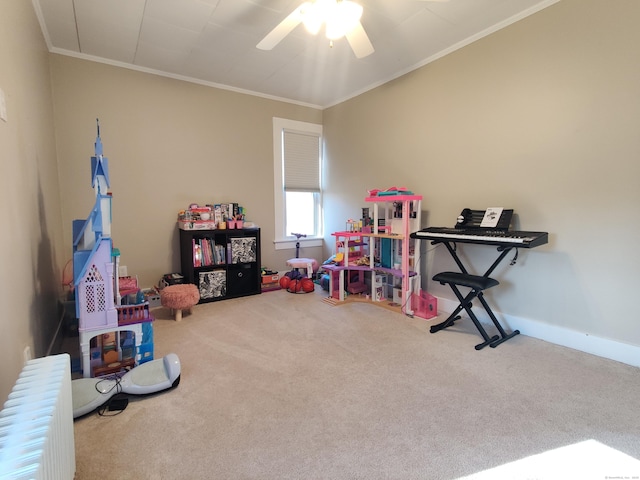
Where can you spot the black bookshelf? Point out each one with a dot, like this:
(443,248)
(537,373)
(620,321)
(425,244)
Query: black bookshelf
(221,263)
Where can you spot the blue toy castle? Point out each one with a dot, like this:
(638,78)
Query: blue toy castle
(95,280)
(93,266)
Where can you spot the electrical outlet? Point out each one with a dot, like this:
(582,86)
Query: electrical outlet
(122,271)
(26,353)
(3,106)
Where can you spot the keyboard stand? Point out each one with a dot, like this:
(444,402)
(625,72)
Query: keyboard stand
(504,251)
(477,284)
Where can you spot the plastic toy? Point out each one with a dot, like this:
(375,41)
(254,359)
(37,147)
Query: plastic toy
(284,282)
(88,394)
(295,286)
(324,281)
(307,285)
(376,192)
(335,259)
(295,282)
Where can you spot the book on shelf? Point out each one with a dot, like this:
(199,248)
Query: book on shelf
(197,259)
(207,253)
(219,254)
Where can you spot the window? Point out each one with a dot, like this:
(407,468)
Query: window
(297,151)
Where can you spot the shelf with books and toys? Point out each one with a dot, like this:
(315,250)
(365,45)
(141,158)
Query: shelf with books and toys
(219,251)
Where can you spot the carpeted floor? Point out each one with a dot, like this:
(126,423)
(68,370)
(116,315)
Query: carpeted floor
(283,386)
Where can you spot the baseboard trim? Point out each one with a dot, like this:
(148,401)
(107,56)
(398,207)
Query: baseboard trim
(584,342)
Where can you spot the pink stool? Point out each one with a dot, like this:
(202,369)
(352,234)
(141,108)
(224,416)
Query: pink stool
(179,297)
(309,263)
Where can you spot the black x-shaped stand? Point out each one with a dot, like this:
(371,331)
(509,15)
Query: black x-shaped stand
(477,284)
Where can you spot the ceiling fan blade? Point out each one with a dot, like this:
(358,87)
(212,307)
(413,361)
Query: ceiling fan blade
(283,29)
(359,41)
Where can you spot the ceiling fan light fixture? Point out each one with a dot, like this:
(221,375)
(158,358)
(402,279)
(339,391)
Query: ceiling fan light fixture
(346,17)
(316,14)
(311,19)
(339,17)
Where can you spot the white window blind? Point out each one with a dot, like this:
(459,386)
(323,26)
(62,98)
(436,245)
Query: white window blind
(297,182)
(301,162)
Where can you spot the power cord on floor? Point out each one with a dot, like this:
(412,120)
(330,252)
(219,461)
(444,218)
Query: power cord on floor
(116,405)
(118,402)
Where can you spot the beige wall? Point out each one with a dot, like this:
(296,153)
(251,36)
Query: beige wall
(170,143)
(31,256)
(542,117)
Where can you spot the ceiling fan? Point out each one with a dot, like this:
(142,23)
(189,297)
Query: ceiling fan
(341,18)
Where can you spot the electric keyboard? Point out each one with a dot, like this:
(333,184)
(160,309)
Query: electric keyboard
(501,238)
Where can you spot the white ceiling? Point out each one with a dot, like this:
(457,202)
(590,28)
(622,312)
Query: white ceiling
(213,42)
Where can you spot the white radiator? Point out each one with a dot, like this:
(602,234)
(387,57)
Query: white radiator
(36,424)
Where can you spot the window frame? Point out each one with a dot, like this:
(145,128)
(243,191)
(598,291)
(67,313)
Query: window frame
(282,240)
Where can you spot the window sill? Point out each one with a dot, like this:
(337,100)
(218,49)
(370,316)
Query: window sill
(291,244)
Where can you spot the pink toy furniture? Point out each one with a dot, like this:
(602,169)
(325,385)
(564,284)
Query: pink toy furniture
(179,297)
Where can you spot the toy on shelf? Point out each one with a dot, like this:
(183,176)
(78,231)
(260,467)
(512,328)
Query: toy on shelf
(391,191)
(335,259)
(211,217)
(128,286)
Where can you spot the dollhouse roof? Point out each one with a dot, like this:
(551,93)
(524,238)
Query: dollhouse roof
(99,168)
(83,258)
(86,243)
(99,164)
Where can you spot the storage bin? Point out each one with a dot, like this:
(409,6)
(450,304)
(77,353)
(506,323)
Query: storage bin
(424,305)
(152,296)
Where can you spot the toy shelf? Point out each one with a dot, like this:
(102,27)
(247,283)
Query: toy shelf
(222,263)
